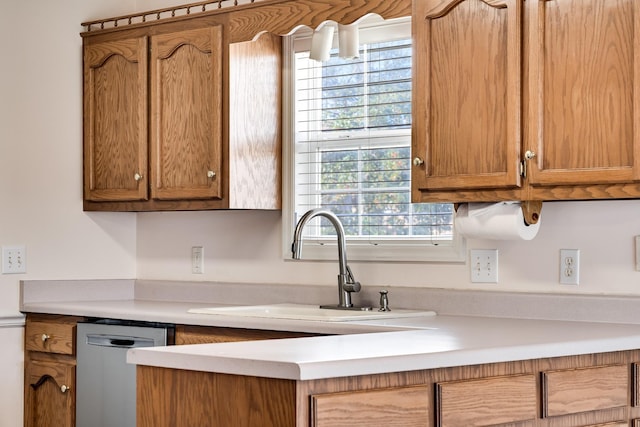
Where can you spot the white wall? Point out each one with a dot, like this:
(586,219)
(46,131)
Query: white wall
(246,247)
(41,166)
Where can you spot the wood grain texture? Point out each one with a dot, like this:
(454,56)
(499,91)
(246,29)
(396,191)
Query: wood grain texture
(597,387)
(188,334)
(46,405)
(486,401)
(635,384)
(403,379)
(401,407)
(282,17)
(60,333)
(461,196)
(186,106)
(583,85)
(467,94)
(115,125)
(586,192)
(178,398)
(255,123)
(174,403)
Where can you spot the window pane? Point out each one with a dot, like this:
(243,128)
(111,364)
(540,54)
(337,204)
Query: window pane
(353,146)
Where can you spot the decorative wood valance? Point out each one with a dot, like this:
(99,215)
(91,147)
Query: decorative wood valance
(249,18)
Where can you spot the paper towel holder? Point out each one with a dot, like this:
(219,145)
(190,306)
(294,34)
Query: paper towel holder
(530,210)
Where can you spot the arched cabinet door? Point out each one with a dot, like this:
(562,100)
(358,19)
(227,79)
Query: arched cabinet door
(49,393)
(584,107)
(467,95)
(115,120)
(187,114)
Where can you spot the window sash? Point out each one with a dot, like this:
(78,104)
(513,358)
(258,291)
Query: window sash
(313,142)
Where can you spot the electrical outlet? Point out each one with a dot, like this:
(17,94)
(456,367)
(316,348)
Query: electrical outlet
(484,265)
(197,260)
(569,266)
(14,259)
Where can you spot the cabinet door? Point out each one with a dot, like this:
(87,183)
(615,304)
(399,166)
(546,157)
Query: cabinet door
(402,406)
(584,92)
(467,91)
(49,394)
(572,391)
(186,106)
(486,401)
(115,120)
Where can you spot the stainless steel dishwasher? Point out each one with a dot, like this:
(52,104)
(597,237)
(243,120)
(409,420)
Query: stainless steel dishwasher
(105,383)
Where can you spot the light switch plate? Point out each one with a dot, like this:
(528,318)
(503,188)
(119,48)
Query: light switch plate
(484,265)
(197,260)
(14,259)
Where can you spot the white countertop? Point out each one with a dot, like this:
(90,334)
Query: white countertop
(453,341)
(360,348)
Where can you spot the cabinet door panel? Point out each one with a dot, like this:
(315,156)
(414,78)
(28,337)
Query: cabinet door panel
(486,401)
(115,125)
(186,131)
(404,406)
(49,394)
(467,90)
(584,106)
(598,388)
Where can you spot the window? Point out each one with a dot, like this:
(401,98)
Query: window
(350,151)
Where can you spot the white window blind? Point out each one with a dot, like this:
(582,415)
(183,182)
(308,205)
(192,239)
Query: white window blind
(352,149)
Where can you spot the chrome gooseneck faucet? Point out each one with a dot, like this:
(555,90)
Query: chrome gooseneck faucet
(346,282)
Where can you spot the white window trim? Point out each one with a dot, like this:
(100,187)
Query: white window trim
(395,251)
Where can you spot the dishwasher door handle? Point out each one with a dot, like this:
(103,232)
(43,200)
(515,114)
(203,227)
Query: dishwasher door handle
(103,340)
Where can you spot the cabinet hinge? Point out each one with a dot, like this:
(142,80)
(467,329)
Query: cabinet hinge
(523,168)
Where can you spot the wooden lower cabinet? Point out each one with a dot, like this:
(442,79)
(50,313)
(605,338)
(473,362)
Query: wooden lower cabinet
(50,367)
(50,371)
(189,334)
(574,391)
(50,398)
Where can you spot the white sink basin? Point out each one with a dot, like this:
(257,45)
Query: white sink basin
(308,312)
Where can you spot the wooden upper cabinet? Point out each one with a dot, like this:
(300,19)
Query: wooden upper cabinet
(467,91)
(115,125)
(584,102)
(178,118)
(186,106)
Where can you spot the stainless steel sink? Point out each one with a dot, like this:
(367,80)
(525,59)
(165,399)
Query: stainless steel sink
(308,312)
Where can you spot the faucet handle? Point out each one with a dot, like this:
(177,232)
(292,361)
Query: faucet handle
(352,287)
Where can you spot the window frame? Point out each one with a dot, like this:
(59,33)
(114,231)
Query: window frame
(359,249)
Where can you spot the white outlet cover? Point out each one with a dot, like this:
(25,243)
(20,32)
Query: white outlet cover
(569,266)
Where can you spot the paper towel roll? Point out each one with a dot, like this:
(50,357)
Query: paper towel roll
(494,221)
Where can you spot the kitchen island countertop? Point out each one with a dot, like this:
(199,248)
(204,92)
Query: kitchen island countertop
(428,343)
